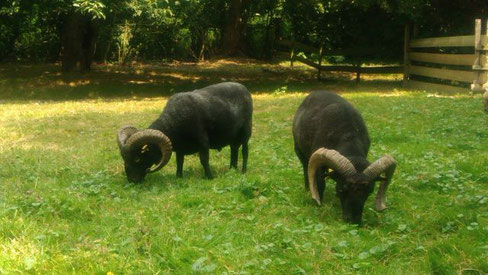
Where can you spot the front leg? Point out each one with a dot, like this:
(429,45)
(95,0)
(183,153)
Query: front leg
(305,175)
(204,156)
(234,151)
(320,181)
(180,157)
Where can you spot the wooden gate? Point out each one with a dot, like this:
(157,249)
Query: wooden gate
(429,65)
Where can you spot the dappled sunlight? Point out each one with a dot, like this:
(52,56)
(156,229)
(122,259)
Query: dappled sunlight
(141,81)
(109,80)
(234,61)
(180,76)
(61,83)
(381,77)
(137,81)
(454,95)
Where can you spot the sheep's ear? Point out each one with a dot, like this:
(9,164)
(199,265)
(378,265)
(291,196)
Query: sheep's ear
(332,174)
(123,135)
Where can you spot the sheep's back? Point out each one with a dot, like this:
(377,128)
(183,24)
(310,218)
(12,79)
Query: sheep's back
(218,113)
(327,120)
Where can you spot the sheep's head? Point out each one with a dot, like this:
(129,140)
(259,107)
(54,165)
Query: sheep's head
(353,188)
(141,150)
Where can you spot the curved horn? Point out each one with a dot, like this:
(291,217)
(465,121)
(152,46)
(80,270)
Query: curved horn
(385,164)
(152,136)
(122,136)
(333,160)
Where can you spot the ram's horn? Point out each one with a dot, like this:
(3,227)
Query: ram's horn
(152,136)
(385,164)
(333,160)
(122,136)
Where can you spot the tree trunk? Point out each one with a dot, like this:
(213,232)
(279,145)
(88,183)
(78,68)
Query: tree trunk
(270,35)
(235,26)
(78,43)
(106,51)
(88,45)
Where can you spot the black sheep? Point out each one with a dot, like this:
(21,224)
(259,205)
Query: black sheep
(192,122)
(329,133)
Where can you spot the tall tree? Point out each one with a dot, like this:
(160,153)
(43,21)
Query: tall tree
(80,34)
(235,26)
(78,42)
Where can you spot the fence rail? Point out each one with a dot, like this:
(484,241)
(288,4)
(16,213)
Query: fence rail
(450,41)
(454,75)
(445,59)
(419,66)
(444,66)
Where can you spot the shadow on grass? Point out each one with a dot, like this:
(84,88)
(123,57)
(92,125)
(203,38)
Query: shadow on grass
(45,82)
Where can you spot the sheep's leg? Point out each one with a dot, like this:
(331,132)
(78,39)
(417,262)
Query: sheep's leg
(320,181)
(305,175)
(244,157)
(180,157)
(304,162)
(234,152)
(204,156)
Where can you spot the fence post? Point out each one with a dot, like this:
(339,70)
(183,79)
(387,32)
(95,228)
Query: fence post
(406,49)
(484,63)
(415,32)
(484,60)
(320,61)
(358,73)
(478,66)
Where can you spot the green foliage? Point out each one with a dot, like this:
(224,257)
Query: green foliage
(368,30)
(123,43)
(90,7)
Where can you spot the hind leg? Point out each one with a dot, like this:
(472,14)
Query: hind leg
(304,162)
(204,156)
(245,152)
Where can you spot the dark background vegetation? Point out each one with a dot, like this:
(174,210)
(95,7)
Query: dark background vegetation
(78,32)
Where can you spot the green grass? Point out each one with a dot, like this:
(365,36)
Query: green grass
(66,207)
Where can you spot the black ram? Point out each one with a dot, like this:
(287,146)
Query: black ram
(192,122)
(329,133)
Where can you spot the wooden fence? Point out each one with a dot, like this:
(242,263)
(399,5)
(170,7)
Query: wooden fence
(427,67)
(293,46)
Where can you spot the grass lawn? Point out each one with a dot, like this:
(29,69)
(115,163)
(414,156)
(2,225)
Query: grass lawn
(66,206)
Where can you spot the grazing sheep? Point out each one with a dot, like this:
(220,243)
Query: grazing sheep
(329,133)
(192,122)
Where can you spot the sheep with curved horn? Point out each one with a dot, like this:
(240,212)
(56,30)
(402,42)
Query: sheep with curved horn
(331,140)
(191,122)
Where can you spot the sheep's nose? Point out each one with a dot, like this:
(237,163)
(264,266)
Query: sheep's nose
(352,219)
